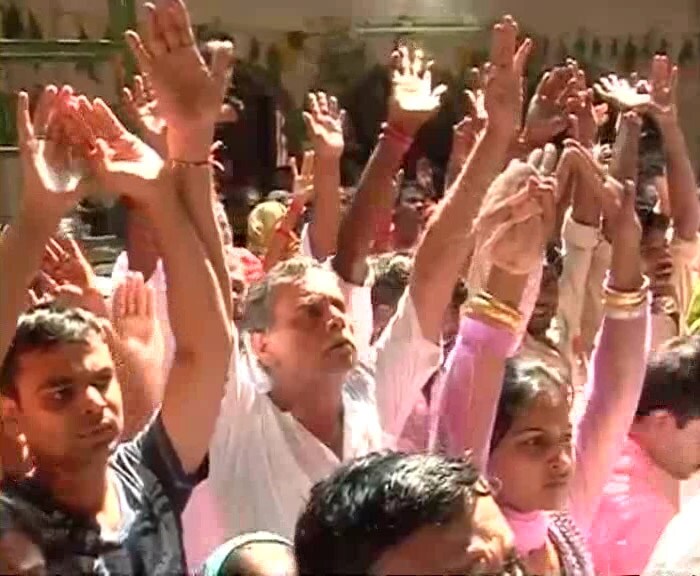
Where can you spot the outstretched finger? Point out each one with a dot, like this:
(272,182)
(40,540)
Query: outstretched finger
(25,131)
(139,51)
(181,18)
(333,107)
(535,158)
(549,159)
(307,165)
(155,40)
(222,57)
(521,56)
(44,109)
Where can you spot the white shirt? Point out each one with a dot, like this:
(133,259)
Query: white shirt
(263,462)
(677,553)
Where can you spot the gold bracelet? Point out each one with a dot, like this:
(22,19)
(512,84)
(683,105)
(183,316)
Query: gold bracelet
(493,315)
(484,304)
(491,300)
(618,299)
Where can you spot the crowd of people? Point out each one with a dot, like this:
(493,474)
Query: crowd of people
(501,378)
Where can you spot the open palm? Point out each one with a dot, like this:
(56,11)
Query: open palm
(52,175)
(413,100)
(189,93)
(324,125)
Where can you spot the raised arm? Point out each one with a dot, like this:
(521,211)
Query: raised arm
(324,125)
(618,365)
(412,103)
(468,396)
(48,193)
(682,186)
(285,241)
(189,97)
(445,246)
(195,385)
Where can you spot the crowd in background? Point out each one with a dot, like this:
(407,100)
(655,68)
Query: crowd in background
(495,376)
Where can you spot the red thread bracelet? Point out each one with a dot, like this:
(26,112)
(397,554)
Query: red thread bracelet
(396,135)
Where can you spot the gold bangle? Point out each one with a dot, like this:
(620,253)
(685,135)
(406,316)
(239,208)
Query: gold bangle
(618,299)
(489,301)
(484,304)
(500,319)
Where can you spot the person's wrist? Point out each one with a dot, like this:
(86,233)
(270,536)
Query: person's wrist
(37,218)
(325,153)
(190,145)
(502,128)
(626,275)
(666,120)
(506,286)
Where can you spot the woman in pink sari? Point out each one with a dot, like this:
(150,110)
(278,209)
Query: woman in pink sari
(515,416)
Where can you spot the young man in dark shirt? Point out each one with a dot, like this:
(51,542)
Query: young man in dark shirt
(90,505)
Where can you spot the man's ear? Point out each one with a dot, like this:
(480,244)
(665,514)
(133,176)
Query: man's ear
(9,414)
(260,342)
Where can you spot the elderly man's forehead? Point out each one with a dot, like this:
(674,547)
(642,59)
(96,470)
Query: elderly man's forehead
(320,280)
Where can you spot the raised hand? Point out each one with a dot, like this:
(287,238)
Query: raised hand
(133,314)
(547,114)
(143,109)
(503,89)
(585,118)
(663,84)
(304,179)
(621,93)
(413,100)
(123,163)
(626,263)
(518,214)
(324,125)
(65,262)
(467,131)
(137,341)
(51,173)
(517,242)
(625,157)
(67,278)
(189,93)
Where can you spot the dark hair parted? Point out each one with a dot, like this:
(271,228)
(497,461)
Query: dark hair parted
(260,300)
(375,502)
(42,328)
(524,381)
(672,381)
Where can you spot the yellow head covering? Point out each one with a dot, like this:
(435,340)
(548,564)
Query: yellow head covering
(261,225)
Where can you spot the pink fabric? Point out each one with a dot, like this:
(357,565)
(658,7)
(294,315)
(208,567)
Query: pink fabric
(530,529)
(639,500)
(414,437)
(202,525)
(467,400)
(456,425)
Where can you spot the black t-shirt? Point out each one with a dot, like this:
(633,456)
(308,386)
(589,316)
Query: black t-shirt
(153,491)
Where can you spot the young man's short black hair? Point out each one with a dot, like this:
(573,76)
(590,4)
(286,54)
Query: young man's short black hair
(373,503)
(672,381)
(42,328)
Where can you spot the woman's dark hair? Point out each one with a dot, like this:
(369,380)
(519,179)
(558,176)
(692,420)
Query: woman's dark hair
(524,381)
(373,503)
